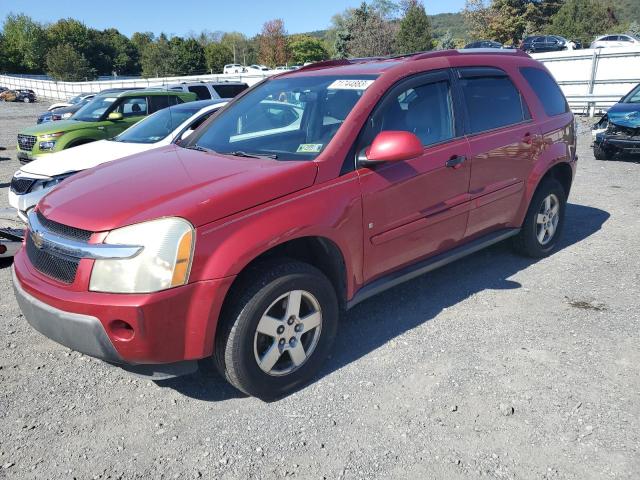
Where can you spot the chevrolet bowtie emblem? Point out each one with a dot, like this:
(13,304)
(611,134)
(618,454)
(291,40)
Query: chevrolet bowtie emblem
(38,239)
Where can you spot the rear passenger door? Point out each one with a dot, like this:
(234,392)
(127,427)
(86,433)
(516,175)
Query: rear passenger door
(501,136)
(415,208)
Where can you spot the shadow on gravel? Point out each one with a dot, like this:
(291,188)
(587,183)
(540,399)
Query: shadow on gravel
(382,318)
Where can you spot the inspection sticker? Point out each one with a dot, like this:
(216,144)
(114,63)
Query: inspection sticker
(350,85)
(309,147)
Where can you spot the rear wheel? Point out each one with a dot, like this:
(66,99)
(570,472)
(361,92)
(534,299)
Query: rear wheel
(278,328)
(544,221)
(26,100)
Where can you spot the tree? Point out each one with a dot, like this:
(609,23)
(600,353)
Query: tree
(447,42)
(633,28)
(24,44)
(67,64)
(243,49)
(187,57)
(307,49)
(414,34)
(504,21)
(121,54)
(367,34)
(217,55)
(582,20)
(273,43)
(156,57)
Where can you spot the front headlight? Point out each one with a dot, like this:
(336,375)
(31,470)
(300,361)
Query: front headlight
(51,136)
(164,262)
(67,115)
(43,183)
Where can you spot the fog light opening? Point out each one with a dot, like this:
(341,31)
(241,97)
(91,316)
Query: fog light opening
(121,330)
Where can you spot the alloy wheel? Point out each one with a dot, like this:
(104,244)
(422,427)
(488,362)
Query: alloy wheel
(547,219)
(287,333)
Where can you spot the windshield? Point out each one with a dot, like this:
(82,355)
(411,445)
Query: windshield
(286,118)
(157,126)
(76,99)
(93,111)
(633,96)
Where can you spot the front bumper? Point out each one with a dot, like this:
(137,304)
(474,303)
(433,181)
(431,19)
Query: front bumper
(24,203)
(627,145)
(25,157)
(168,327)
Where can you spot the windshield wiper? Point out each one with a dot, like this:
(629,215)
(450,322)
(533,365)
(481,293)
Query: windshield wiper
(199,148)
(240,153)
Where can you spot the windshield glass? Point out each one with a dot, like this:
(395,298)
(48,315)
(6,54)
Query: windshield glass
(157,126)
(633,96)
(93,110)
(287,118)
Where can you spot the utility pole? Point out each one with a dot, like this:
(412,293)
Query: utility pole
(234,52)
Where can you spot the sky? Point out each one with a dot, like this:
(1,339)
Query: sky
(180,17)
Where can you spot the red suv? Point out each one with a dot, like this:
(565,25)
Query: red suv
(309,193)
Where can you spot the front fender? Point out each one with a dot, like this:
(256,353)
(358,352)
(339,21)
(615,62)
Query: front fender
(332,211)
(79,135)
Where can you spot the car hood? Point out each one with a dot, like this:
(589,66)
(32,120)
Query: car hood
(625,115)
(171,181)
(82,157)
(59,126)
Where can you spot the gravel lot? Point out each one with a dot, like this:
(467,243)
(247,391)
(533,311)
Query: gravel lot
(492,367)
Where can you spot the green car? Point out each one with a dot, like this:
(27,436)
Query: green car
(105,116)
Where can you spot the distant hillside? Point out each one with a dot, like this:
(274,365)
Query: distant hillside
(448,21)
(626,11)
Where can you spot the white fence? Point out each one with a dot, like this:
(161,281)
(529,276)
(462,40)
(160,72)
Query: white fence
(63,90)
(592,80)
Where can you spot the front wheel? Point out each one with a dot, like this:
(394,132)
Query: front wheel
(600,153)
(278,328)
(26,100)
(544,221)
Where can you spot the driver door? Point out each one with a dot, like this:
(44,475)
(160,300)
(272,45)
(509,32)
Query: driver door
(132,109)
(415,208)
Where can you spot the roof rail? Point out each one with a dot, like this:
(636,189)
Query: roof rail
(468,51)
(325,64)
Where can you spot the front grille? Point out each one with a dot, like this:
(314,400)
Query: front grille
(62,269)
(26,142)
(21,186)
(64,230)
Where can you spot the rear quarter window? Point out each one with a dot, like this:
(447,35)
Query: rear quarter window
(491,99)
(546,89)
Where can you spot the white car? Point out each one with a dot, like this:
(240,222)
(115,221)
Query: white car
(620,40)
(35,179)
(233,68)
(210,90)
(75,100)
(257,69)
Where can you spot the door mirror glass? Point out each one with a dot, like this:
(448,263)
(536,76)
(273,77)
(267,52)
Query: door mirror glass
(392,146)
(115,116)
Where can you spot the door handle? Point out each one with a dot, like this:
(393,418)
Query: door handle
(456,161)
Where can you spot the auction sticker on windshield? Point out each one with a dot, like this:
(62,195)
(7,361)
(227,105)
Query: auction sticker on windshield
(309,148)
(350,85)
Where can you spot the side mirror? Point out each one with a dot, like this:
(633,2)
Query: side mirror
(392,146)
(115,116)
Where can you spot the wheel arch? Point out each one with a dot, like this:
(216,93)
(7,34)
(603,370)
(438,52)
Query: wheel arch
(318,251)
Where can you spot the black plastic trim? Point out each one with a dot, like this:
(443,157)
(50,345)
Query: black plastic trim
(415,270)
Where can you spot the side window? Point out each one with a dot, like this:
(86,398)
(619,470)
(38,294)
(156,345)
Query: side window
(229,91)
(424,109)
(624,38)
(158,102)
(491,99)
(201,92)
(546,89)
(133,106)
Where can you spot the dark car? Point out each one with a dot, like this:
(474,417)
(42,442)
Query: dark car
(619,128)
(26,96)
(247,240)
(483,44)
(544,43)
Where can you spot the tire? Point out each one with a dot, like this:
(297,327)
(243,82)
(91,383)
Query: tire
(600,153)
(535,239)
(26,100)
(260,364)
